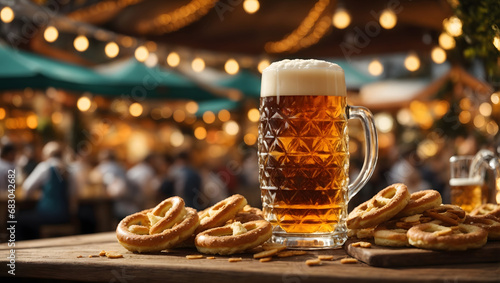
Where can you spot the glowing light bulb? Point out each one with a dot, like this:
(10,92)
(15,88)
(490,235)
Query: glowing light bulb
(388,19)
(232,67)
(253,115)
(83,104)
(412,62)
(453,26)
(496,42)
(262,65)
(198,65)
(251,6)
(173,59)
(112,49)
(446,41)
(81,43)
(50,34)
(141,53)
(7,15)
(438,55)
(135,109)
(375,68)
(341,19)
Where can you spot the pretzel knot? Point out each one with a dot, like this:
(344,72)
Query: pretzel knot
(487,210)
(446,214)
(490,224)
(383,206)
(455,238)
(393,232)
(162,227)
(221,212)
(233,238)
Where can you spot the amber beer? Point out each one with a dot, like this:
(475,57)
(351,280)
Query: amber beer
(303,153)
(467,192)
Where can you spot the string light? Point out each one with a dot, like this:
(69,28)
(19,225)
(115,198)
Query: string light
(495,98)
(232,67)
(446,41)
(453,26)
(200,133)
(93,12)
(375,68)
(7,15)
(438,55)
(83,104)
(262,65)
(485,109)
(253,115)
(341,19)
(231,128)
(496,42)
(112,49)
(3,113)
(50,34)
(198,65)
(192,107)
(224,115)
(176,138)
(251,6)
(412,62)
(135,109)
(208,117)
(81,43)
(141,53)
(32,121)
(388,19)
(173,59)
(152,60)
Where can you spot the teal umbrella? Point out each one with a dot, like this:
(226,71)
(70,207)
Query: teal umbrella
(353,77)
(245,81)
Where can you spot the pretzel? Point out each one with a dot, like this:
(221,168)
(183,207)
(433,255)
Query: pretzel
(169,237)
(393,232)
(233,238)
(421,201)
(221,212)
(446,214)
(438,237)
(383,206)
(491,225)
(166,214)
(247,214)
(487,209)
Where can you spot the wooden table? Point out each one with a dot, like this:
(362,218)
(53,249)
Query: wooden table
(57,258)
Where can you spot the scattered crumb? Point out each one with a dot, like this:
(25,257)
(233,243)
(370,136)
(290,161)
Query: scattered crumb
(91,256)
(267,253)
(210,257)
(194,256)
(265,259)
(291,253)
(299,252)
(365,245)
(272,246)
(80,256)
(113,254)
(255,250)
(312,262)
(348,260)
(357,244)
(234,259)
(102,253)
(325,257)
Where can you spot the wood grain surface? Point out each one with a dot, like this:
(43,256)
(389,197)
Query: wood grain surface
(58,259)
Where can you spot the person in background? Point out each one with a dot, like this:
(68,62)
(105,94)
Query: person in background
(185,181)
(7,158)
(145,177)
(57,203)
(113,176)
(26,161)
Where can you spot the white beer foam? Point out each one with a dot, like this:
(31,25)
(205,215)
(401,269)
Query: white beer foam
(303,77)
(466,181)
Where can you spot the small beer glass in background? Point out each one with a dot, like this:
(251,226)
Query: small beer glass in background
(304,155)
(466,190)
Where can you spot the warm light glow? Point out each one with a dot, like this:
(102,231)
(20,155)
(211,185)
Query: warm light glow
(384,122)
(198,65)
(492,128)
(251,6)
(479,121)
(412,62)
(224,115)
(262,65)
(57,117)
(232,67)
(50,34)
(111,49)
(446,41)
(81,43)
(200,133)
(438,55)
(32,121)
(341,19)
(231,128)
(83,104)
(485,109)
(388,19)
(192,107)
(375,68)
(152,60)
(465,103)
(495,98)
(176,139)
(496,42)
(173,59)
(453,26)
(135,109)
(404,117)
(250,139)
(141,53)
(179,115)
(253,115)
(7,15)
(464,117)
(427,148)
(209,117)
(2,113)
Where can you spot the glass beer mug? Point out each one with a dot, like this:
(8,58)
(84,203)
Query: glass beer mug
(304,155)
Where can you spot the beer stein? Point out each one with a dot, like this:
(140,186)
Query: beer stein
(466,188)
(487,160)
(303,153)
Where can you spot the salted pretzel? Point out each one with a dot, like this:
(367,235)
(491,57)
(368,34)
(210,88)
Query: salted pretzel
(393,232)
(446,214)
(487,209)
(221,212)
(364,233)
(233,238)
(383,206)
(133,232)
(247,214)
(166,214)
(491,225)
(455,238)
(421,201)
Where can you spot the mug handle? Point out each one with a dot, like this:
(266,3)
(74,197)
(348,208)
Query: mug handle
(371,148)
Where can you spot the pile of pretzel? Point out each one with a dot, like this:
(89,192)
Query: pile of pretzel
(230,226)
(396,218)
